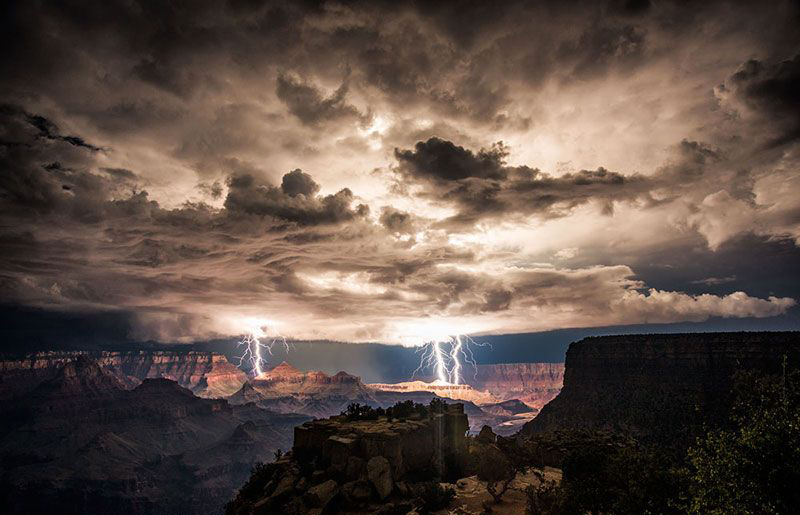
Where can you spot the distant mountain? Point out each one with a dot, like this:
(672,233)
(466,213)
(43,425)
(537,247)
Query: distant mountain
(81,441)
(207,374)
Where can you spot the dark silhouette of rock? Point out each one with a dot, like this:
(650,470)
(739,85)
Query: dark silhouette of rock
(82,441)
(661,388)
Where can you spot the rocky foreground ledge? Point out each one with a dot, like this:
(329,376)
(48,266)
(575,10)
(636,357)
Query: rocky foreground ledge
(359,464)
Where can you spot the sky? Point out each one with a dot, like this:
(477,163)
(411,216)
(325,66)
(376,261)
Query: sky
(398,172)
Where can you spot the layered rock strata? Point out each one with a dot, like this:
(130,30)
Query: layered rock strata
(207,374)
(535,384)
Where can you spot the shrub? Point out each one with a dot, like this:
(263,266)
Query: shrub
(356,411)
(435,497)
(546,498)
(752,468)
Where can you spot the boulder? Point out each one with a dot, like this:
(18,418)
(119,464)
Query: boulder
(357,492)
(285,486)
(319,496)
(402,488)
(355,467)
(380,475)
(318,476)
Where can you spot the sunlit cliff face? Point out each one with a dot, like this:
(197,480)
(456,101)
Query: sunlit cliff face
(400,173)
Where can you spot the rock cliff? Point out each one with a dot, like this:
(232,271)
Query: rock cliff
(535,384)
(352,466)
(659,387)
(207,374)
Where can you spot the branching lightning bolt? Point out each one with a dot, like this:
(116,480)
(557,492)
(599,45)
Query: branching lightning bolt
(254,347)
(448,365)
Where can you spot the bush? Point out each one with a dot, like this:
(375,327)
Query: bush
(356,411)
(435,497)
(401,410)
(546,498)
(622,479)
(752,468)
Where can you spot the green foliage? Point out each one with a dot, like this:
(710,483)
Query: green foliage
(754,467)
(546,498)
(356,411)
(621,479)
(435,497)
(401,410)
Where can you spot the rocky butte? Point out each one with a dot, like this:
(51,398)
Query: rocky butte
(661,388)
(339,462)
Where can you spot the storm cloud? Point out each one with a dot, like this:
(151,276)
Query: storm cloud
(378,172)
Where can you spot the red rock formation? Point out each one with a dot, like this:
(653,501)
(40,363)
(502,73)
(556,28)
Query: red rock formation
(207,374)
(535,384)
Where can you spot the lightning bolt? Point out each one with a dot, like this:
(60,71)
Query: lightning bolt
(448,365)
(456,370)
(254,347)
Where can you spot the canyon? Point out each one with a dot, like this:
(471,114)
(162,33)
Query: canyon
(661,388)
(85,441)
(207,374)
(145,431)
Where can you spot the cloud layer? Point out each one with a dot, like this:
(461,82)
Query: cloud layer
(390,172)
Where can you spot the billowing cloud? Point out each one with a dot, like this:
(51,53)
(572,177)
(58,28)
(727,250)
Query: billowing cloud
(367,171)
(480,184)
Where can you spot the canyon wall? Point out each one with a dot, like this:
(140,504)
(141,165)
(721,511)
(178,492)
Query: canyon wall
(207,374)
(659,387)
(535,384)
(83,442)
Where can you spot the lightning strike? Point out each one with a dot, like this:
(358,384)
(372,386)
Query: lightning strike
(254,346)
(455,372)
(448,365)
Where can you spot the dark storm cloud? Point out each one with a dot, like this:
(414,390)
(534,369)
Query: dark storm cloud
(294,201)
(143,170)
(309,105)
(481,185)
(771,91)
(46,128)
(397,221)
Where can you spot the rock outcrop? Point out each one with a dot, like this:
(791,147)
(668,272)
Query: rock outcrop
(535,384)
(207,374)
(654,386)
(341,464)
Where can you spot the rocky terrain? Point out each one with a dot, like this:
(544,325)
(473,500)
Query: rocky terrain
(346,465)
(81,441)
(286,389)
(661,388)
(535,384)
(207,374)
